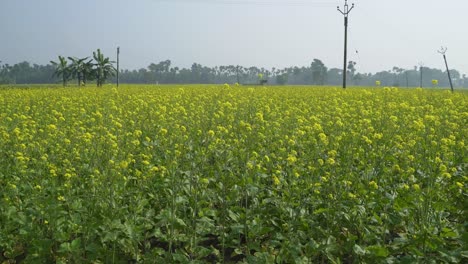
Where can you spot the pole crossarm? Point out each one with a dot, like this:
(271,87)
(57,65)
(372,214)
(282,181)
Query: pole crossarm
(346,9)
(442,50)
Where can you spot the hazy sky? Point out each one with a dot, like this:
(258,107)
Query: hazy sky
(264,33)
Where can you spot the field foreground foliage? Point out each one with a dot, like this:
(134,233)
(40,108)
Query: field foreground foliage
(207,174)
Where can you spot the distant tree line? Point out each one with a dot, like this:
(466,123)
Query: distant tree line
(317,73)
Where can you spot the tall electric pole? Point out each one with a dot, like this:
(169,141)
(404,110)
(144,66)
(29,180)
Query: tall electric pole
(118,54)
(345,12)
(443,51)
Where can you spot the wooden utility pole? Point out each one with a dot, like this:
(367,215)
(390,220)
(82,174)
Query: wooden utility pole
(345,12)
(443,51)
(118,53)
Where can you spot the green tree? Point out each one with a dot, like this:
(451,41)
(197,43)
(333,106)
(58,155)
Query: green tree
(159,71)
(282,79)
(351,69)
(319,72)
(62,69)
(103,68)
(82,69)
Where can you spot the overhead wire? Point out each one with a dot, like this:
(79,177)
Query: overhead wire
(255,2)
(325,3)
(356,51)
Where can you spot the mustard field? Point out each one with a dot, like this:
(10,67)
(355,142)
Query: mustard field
(233,174)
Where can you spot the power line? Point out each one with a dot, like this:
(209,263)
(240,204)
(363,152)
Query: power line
(253,2)
(355,47)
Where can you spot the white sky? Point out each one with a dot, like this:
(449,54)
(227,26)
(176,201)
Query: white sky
(263,33)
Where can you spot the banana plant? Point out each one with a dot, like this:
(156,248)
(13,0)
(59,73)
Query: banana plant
(103,67)
(82,69)
(62,69)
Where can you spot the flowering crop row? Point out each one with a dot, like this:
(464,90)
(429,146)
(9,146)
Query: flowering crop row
(209,174)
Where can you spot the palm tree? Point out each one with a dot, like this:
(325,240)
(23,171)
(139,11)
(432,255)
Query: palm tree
(81,69)
(104,68)
(62,69)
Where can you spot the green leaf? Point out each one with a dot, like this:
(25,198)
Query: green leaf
(75,244)
(321,210)
(359,250)
(233,216)
(378,251)
(65,247)
(448,233)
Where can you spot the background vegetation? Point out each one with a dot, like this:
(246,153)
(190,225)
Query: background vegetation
(315,74)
